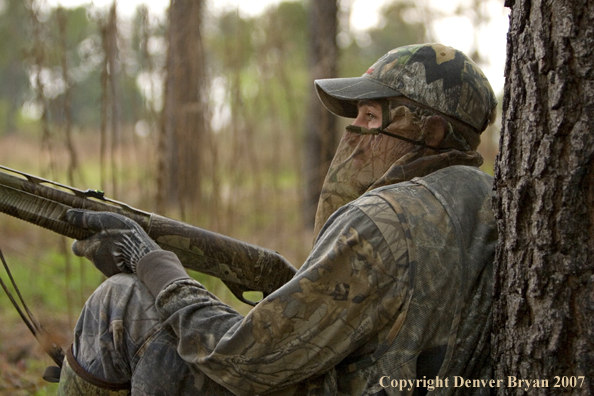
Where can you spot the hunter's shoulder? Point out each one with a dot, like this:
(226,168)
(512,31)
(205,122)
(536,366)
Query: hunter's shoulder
(452,181)
(458,172)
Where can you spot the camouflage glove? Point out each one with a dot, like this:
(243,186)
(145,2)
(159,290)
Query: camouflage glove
(117,243)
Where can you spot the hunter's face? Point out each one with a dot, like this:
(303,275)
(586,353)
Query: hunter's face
(369,152)
(360,160)
(369,115)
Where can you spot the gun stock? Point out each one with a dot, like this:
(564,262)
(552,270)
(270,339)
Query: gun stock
(240,265)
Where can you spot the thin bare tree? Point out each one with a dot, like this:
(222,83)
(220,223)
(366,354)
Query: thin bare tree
(320,134)
(109,99)
(184,114)
(38,59)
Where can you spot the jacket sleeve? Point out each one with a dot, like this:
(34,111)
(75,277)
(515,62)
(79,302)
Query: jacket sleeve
(352,286)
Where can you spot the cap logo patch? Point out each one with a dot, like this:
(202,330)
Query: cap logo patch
(443,53)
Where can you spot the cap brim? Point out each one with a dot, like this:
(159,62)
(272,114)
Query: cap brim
(340,95)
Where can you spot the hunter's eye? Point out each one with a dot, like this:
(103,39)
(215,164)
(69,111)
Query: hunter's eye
(369,114)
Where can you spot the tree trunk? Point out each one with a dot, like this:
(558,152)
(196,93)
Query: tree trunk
(320,134)
(184,113)
(114,70)
(543,318)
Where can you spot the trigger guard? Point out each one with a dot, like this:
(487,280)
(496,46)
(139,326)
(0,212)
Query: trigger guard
(238,291)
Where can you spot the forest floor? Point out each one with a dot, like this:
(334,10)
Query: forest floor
(22,361)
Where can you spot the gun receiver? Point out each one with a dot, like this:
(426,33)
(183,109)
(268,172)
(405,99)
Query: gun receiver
(240,265)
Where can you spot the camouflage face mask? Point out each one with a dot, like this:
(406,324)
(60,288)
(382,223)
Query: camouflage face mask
(370,158)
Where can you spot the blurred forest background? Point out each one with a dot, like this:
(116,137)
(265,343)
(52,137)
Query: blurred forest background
(208,117)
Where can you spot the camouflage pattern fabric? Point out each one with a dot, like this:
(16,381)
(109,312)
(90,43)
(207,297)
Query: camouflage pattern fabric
(465,94)
(396,275)
(120,337)
(366,160)
(71,384)
(435,75)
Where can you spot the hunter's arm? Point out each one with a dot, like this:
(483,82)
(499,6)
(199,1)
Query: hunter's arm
(352,285)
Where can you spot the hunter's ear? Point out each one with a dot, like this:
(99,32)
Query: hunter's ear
(436,127)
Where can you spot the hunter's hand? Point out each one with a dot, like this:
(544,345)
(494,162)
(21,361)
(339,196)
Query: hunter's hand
(117,245)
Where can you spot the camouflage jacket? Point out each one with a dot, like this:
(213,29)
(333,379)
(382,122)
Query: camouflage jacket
(397,287)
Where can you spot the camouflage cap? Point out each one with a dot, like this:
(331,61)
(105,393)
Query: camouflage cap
(434,75)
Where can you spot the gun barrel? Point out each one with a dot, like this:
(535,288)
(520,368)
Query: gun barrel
(42,212)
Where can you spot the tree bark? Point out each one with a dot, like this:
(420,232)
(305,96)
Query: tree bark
(320,134)
(543,317)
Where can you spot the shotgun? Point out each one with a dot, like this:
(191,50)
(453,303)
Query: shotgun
(240,265)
